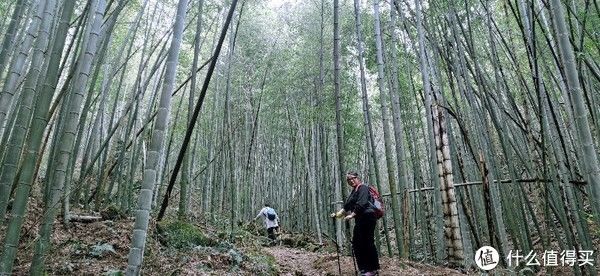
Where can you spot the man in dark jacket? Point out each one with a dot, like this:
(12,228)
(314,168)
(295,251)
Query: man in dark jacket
(358,206)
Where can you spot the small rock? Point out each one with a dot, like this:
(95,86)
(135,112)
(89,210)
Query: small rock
(99,250)
(236,256)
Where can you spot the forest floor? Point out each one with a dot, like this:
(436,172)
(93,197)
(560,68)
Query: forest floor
(101,248)
(294,262)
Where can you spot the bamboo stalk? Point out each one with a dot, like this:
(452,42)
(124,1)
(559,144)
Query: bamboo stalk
(471,183)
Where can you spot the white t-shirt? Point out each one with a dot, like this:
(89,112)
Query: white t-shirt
(269,223)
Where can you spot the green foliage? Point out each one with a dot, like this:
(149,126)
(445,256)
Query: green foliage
(368,33)
(180,235)
(5,8)
(262,264)
(592,222)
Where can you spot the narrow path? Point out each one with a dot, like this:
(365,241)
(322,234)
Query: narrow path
(296,262)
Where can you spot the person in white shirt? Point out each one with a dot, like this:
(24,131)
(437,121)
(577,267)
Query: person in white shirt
(271,220)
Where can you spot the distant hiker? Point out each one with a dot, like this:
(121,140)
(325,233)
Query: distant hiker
(271,220)
(360,206)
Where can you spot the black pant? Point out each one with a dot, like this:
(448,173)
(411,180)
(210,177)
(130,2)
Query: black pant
(363,243)
(271,232)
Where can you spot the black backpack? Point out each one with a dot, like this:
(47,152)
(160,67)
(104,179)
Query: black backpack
(271,214)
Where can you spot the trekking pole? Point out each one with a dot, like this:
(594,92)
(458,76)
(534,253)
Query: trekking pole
(353,259)
(352,252)
(337,246)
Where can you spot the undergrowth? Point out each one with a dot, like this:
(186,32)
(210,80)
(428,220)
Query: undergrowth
(182,235)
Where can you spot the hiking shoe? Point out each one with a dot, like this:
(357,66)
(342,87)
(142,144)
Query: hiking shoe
(371,273)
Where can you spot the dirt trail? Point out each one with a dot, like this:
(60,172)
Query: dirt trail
(294,261)
(297,262)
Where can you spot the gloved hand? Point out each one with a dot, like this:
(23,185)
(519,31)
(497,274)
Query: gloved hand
(339,214)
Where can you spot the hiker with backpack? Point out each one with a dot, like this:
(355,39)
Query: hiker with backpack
(271,220)
(365,207)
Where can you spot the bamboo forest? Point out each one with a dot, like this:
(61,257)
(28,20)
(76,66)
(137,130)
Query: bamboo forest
(143,137)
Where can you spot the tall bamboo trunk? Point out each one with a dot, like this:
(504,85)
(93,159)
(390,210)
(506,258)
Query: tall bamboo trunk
(591,167)
(339,192)
(186,175)
(67,136)
(10,34)
(452,231)
(26,172)
(396,212)
(437,194)
(15,136)
(401,161)
(142,217)
(18,64)
(9,89)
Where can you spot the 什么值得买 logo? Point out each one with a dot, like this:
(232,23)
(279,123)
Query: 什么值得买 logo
(487,257)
